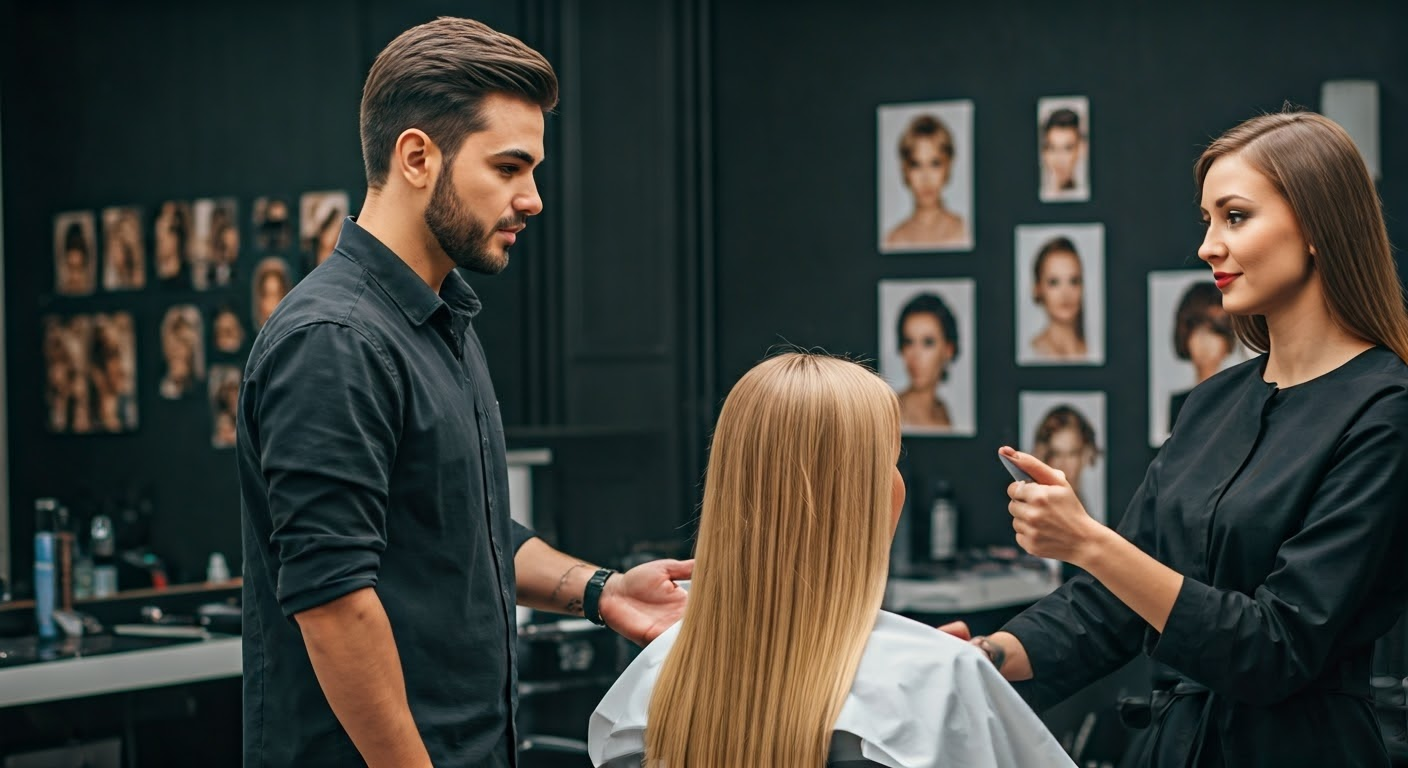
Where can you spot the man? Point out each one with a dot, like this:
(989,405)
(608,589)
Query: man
(380,562)
(1062,146)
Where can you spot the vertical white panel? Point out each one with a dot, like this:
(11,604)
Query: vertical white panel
(4,419)
(1354,104)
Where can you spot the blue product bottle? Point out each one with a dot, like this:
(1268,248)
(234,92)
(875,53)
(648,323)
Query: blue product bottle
(44,568)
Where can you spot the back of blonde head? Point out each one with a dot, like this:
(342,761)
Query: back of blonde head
(792,553)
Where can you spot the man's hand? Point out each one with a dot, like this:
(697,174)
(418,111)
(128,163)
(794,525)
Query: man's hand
(645,601)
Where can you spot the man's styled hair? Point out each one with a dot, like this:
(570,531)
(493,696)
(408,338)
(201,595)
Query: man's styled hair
(434,76)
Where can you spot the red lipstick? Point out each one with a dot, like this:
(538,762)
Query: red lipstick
(1224,278)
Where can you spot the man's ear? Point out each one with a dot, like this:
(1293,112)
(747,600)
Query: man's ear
(416,158)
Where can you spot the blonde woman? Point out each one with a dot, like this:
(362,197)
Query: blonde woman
(783,657)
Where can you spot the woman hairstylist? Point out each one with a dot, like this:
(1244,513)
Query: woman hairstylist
(1265,551)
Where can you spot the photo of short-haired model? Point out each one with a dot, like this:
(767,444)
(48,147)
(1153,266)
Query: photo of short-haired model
(925,176)
(927,354)
(1063,128)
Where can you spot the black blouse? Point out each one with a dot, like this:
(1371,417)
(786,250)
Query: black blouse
(1284,511)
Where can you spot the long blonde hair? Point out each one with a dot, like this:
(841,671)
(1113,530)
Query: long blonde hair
(793,549)
(1313,163)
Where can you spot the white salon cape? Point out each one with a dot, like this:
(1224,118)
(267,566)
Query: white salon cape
(921,699)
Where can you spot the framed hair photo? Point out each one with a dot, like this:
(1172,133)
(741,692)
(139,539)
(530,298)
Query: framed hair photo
(320,216)
(1063,148)
(171,245)
(124,249)
(113,369)
(75,253)
(224,404)
(1067,431)
(927,354)
(273,224)
(1060,284)
(215,242)
(68,392)
(182,350)
(270,285)
(924,169)
(1190,339)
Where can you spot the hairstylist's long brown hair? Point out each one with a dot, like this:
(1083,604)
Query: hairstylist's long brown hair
(1315,166)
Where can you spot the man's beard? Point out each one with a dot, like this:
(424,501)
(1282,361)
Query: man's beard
(459,234)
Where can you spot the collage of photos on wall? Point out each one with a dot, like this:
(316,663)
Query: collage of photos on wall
(215,289)
(927,335)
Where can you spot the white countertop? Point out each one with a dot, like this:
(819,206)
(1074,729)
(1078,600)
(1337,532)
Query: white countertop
(114,672)
(967,592)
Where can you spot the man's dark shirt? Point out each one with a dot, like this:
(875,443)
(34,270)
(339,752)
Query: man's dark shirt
(371,454)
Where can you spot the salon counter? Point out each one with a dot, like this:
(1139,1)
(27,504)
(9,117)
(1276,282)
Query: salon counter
(968,591)
(71,678)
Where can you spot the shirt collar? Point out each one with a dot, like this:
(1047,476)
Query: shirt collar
(401,283)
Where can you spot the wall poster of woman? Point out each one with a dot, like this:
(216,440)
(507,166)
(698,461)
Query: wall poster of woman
(1190,339)
(171,244)
(68,389)
(124,249)
(113,371)
(1067,431)
(928,355)
(215,243)
(1060,283)
(924,155)
(224,404)
(320,216)
(183,349)
(75,253)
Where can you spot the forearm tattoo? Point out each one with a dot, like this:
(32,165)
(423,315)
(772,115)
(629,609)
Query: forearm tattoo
(574,606)
(996,653)
(562,582)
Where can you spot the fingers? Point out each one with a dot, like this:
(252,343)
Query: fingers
(958,629)
(1038,469)
(678,570)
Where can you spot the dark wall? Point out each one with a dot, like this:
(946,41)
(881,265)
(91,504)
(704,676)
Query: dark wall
(135,103)
(795,126)
(592,333)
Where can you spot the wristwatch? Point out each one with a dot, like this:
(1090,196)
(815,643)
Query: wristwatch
(591,598)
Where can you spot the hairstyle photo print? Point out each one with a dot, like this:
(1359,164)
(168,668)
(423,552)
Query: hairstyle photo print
(75,253)
(171,244)
(1060,294)
(215,243)
(124,249)
(924,176)
(1190,339)
(272,218)
(1067,431)
(320,216)
(927,354)
(1063,149)
(182,350)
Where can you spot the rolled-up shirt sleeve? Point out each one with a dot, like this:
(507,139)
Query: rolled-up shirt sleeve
(520,534)
(328,407)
